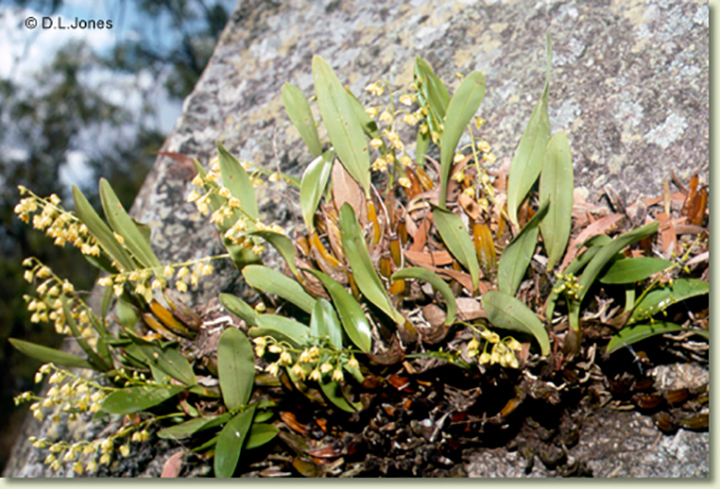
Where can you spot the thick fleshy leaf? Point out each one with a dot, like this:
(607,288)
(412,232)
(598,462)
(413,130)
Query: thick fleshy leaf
(364,272)
(333,391)
(351,314)
(236,368)
(325,323)
(101,231)
(462,107)
(239,307)
(432,93)
(505,311)
(659,299)
(601,259)
(312,187)
(273,282)
(556,187)
(291,330)
(230,442)
(133,399)
(517,255)
(458,241)
(282,244)
(422,143)
(528,159)
(633,270)
(633,334)
(260,434)
(173,363)
(50,355)
(434,280)
(124,225)
(369,126)
(343,127)
(298,109)
(236,179)
(188,428)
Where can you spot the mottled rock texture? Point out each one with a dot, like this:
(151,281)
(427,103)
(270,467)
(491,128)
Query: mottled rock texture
(629,84)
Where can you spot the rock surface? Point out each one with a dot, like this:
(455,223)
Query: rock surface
(629,84)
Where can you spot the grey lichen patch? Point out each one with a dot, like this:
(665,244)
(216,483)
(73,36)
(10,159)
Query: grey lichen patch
(668,132)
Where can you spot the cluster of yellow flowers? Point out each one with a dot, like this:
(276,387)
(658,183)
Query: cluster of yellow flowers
(502,351)
(311,363)
(568,285)
(187,273)
(55,221)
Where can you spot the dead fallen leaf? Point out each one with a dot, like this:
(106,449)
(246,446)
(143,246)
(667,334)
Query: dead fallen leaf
(469,309)
(600,226)
(435,258)
(346,189)
(172,467)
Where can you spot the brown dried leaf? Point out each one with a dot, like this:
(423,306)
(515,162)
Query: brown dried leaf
(600,226)
(291,421)
(668,236)
(469,309)
(470,206)
(346,189)
(172,467)
(435,258)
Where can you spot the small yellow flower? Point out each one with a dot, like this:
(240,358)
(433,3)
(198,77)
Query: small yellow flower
(353,363)
(372,111)
(479,121)
(92,466)
(490,158)
(273,369)
(315,375)
(376,143)
(376,88)
(285,358)
(405,99)
(325,367)
(386,117)
(458,157)
(379,165)
(197,180)
(105,459)
(405,160)
(125,450)
(168,271)
(404,182)
(337,375)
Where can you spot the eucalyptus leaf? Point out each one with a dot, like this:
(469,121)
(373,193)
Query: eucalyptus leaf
(437,282)
(634,270)
(351,314)
(230,442)
(101,232)
(273,282)
(458,241)
(134,399)
(632,334)
(298,109)
(462,107)
(529,155)
(556,187)
(341,123)
(507,312)
(125,226)
(50,355)
(358,258)
(236,368)
(324,323)
(236,179)
(239,307)
(312,187)
(659,299)
(517,255)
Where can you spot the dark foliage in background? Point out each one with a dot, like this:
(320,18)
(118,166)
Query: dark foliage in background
(59,112)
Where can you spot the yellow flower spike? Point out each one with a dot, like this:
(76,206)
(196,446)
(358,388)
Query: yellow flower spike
(353,363)
(197,180)
(459,176)
(285,358)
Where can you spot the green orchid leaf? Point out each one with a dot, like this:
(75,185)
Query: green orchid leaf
(458,241)
(127,315)
(260,434)
(312,187)
(601,259)
(93,357)
(298,109)
(230,442)
(273,282)
(101,231)
(50,355)
(634,270)
(282,328)
(556,187)
(282,244)
(134,399)
(657,300)
(364,272)
(422,144)
(517,255)
(432,94)
(433,279)
(369,126)
(239,307)
(351,314)
(632,334)
(125,226)
(334,393)
(341,123)
(529,155)
(236,368)
(507,312)
(236,179)
(188,428)
(173,363)
(325,323)
(462,107)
